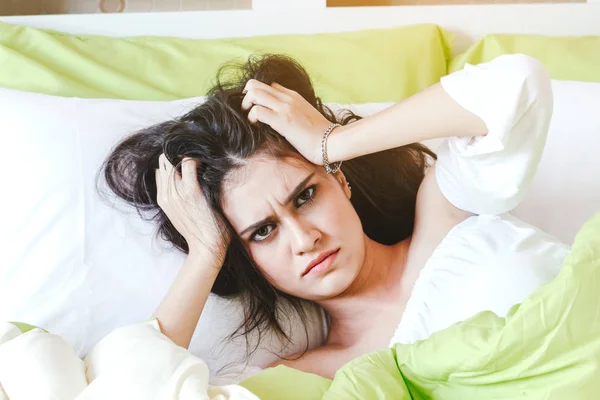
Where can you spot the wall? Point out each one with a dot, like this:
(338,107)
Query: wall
(35,7)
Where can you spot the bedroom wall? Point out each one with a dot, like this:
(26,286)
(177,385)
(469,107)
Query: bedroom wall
(36,7)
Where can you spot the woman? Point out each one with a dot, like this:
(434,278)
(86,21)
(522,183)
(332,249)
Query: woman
(393,249)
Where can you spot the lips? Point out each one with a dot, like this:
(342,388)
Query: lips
(321,259)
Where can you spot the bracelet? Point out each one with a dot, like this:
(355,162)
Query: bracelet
(334,167)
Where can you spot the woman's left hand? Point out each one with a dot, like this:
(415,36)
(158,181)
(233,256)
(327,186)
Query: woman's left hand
(289,114)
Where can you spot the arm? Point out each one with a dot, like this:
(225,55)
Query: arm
(182,200)
(468,103)
(494,107)
(429,114)
(179,312)
(495,115)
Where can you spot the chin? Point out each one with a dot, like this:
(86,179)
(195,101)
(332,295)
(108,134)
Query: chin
(332,285)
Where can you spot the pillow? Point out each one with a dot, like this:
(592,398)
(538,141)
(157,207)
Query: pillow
(566,189)
(80,266)
(350,67)
(72,263)
(565,58)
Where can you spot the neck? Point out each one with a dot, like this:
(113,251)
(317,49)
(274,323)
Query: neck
(376,283)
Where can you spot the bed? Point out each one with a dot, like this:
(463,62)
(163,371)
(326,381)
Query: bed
(564,194)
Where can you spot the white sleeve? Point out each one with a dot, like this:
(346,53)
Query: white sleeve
(490,174)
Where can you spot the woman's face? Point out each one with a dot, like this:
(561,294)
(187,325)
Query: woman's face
(290,215)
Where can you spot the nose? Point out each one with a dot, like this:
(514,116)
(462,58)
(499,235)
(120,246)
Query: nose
(304,236)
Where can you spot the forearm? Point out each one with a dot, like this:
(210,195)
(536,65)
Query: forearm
(180,310)
(429,114)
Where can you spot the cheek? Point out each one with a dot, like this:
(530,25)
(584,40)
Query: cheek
(270,259)
(339,218)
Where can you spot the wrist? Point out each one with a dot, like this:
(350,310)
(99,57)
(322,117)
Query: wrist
(205,257)
(336,148)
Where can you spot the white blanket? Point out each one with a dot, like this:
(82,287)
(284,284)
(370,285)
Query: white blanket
(134,362)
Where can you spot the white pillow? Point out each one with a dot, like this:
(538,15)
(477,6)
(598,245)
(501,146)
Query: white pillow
(566,189)
(79,266)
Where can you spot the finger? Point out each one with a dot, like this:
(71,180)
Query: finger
(169,177)
(158,181)
(162,174)
(260,97)
(189,171)
(254,84)
(161,161)
(166,165)
(283,89)
(264,115)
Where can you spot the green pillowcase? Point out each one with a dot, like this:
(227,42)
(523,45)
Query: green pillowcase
(565,58)
(352,67)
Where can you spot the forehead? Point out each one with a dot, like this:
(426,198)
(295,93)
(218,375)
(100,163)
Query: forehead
(251,192)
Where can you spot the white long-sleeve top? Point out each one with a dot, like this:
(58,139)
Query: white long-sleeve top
(490,261)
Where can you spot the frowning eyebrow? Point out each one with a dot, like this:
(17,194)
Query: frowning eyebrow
(297,190)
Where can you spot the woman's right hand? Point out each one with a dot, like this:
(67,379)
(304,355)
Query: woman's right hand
(288,113)
(180,197)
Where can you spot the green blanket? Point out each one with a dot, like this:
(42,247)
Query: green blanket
(548,347)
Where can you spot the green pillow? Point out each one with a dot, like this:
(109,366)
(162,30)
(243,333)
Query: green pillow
(352,67)
(565,58)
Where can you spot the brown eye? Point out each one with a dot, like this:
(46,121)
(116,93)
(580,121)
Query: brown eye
(262,233)
(305,196)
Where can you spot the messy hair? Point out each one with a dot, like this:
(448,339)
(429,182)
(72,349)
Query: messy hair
(218,134)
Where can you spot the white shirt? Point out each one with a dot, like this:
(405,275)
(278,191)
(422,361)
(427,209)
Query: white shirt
(490,261)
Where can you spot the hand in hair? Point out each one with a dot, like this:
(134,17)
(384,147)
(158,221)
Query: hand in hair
(180,197)
(288,113)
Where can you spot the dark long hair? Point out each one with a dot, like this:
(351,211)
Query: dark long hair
(218,134)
